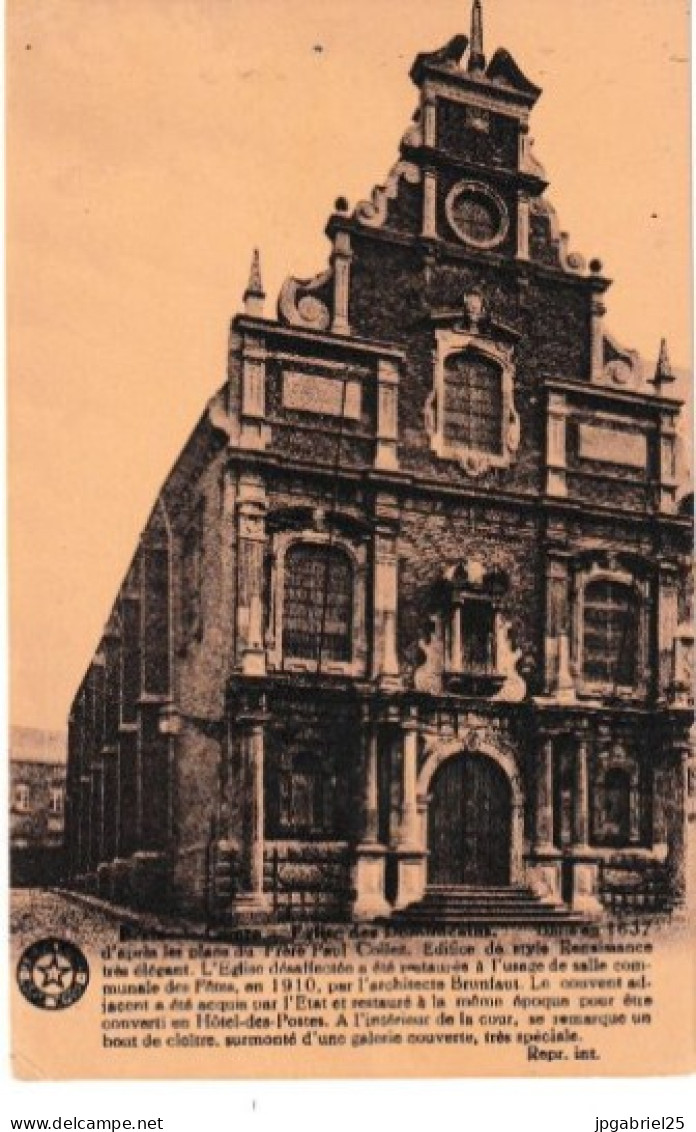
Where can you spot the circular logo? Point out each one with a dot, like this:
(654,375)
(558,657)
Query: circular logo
(53,974)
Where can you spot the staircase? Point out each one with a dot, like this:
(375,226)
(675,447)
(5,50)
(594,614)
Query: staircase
(445,905)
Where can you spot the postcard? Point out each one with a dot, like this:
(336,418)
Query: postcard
(351,524)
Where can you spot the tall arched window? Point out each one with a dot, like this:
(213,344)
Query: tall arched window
(318,603)
(473,409)
(611,638)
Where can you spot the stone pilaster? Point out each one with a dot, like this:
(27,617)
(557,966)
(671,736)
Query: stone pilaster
(368,873)
(429,226)
(110,810)
(128,826)
(429,118)
(583,863)
(543,840)
(581,807)
(170,726)
(251,899)
(556,445)
(523,226)
(387,415)
(96,811)
(454,658)
(228,572)
(254,430)
(411,856)
(544,870)
(85,821)
(667,440)
(409,808)
(667,623)
(140,800)
(341,260)
(371,786)
(251,544)
(597,313)
(385,660)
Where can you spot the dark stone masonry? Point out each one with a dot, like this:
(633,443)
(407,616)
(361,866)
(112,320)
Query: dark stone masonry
(408,633)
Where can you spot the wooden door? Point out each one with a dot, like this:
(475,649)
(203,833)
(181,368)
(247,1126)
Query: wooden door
(469,823)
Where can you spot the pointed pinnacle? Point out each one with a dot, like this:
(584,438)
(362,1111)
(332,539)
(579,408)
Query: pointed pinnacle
(477,59)
(663,370)
(255,284)
(254,296)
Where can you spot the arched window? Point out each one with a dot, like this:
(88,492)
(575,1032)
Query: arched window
(611,638)
(473,409)
(318,603)
(307,794)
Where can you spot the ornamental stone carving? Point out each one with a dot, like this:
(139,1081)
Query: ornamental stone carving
(298,305)
(572,262)
(475,461)
(477,215)
(373,213)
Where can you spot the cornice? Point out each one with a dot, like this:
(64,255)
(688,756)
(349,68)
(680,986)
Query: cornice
(609,393)
(342,343)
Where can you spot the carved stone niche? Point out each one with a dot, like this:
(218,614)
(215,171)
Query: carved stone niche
(470,415)
(471,600)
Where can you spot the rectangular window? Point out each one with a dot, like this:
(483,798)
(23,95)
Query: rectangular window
(318,603)
(56,800)
(610,634)
(478,637)
(306,797)
(473,411)
(21,798)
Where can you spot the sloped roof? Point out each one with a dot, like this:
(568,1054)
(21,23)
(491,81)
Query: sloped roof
(35,745)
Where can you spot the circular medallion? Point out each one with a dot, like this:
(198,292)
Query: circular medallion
(53,974)
(477,215)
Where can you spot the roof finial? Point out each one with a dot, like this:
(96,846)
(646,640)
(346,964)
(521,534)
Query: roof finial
(663,370)
(477,59)
(254,295)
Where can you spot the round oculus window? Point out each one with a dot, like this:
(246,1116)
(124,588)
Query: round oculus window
(477,215)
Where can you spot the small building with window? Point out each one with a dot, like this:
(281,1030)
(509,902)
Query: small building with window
(37,805)
(409,630)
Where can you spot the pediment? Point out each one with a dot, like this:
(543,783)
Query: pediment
(459,321)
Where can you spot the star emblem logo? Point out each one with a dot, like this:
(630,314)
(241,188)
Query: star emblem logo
(53,971)
(53,974)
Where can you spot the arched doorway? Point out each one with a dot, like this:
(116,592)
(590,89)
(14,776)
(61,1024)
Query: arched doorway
(469,823)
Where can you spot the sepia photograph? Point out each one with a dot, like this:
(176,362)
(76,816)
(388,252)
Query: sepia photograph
(351,539)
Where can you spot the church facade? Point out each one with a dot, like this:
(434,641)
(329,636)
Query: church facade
(408,630)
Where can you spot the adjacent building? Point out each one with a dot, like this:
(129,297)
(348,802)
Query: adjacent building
(408,631)
(37,805)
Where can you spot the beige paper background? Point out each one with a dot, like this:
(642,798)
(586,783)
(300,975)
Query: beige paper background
(151,145)
(67,1044)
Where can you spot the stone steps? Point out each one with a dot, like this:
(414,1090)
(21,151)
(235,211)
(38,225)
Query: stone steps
(448,905)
